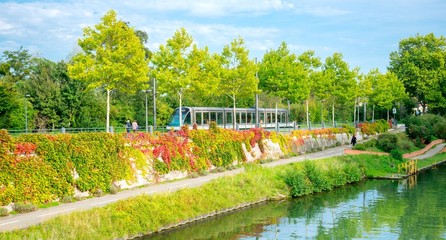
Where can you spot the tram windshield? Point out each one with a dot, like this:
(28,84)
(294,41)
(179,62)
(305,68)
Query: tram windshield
(174,120)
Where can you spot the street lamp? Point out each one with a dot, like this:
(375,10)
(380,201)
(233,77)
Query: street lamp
(26,113)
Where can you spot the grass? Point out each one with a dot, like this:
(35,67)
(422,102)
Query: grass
(431,161)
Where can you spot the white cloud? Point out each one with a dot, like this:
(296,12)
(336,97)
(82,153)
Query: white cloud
(219,8)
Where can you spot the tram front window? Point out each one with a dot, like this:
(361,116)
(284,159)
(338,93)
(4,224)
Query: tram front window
(174,120)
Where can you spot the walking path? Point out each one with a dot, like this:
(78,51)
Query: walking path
(20,221)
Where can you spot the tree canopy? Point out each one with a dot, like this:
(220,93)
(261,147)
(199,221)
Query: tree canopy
(113,58)
(420,64)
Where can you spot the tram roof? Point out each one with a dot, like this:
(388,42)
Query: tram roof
(230,109)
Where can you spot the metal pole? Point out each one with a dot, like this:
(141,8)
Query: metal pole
(26,116)
(147,117)
(154,103)
(257,101)
(26,113)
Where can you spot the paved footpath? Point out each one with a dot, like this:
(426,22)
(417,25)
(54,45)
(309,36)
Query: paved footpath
(20,221)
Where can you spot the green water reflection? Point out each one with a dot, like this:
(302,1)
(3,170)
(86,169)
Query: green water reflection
(410,209)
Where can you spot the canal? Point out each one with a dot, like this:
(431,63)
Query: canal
(375,209)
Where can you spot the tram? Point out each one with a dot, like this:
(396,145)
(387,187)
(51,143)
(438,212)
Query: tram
(244,117)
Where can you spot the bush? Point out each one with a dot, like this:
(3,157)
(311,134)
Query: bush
(426,127)
(298,183)
(21,207)
(370,143)
(3,212)
(360,147)
(68,199)
(397,154)
(114,189)
(387,142)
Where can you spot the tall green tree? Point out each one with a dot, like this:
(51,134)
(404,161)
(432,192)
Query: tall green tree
(172,68)
(387,90)
(338,80)
(238,78)
(420,63)
(112,58)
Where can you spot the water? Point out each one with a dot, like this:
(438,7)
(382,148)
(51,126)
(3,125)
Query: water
(411,209)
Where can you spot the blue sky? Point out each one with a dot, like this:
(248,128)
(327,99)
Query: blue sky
(365,32)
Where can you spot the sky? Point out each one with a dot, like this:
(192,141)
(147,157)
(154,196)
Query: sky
(365,32)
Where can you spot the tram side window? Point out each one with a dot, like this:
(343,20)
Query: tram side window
(250,117)
(228,118)
(206,118)
(243,117)
(198,118)
(213,117)
(219,118)
(261,118)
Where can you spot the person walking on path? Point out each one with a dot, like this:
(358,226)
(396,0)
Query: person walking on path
(128,126)
(134,126)
(353,141)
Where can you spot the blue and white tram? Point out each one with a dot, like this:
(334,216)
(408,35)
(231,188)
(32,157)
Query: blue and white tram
(244,117)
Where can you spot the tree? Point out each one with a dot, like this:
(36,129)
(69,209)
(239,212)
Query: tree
(172,68)
(420,63)
(387,89)
(338,80)
(238,74)
(113,58)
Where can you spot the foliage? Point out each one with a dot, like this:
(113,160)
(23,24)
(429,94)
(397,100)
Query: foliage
(106,62)
(387,142)
(308,177)
(3,212)
(41,166)
(426,127)
(419,63)
(22,207)
(379,126)
(238,73)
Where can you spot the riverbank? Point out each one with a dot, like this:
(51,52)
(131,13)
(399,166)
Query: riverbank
(151,213)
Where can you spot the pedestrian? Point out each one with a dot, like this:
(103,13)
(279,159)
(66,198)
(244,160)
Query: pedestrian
(353,142)
(134,125)
(128,126)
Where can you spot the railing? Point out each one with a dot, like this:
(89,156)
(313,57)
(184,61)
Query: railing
(302,126)
(409,167)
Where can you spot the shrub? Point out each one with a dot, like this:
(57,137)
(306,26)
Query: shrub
(426,127)
(193,175)
(203,172)
(114,189)
(387,142)
(360,147)
(397,154)
(318,179)
(3,212)
(21,207)
(370,143)
(298,183)
(68,199)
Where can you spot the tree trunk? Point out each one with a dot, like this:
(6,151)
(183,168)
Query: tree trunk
(308,115)
(333,114)
(354,115)
(233,112)
(181,105)
(107,125)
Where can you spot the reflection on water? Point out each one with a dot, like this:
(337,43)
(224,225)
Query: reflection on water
(414,208)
